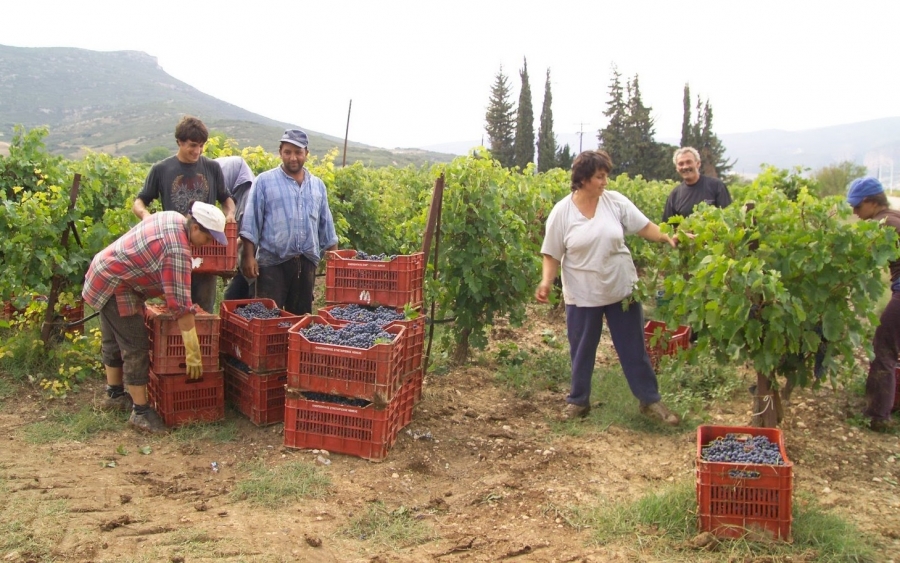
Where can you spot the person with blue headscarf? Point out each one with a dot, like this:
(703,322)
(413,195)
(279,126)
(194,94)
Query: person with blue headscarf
(869,202)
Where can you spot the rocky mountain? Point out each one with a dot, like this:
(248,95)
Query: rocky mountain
(124,103)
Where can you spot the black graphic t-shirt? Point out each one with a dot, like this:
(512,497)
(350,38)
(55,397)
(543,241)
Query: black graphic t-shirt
(179,185)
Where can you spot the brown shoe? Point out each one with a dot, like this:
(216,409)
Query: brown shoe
(122,403)
(661,413)
(150,422)
(574,412)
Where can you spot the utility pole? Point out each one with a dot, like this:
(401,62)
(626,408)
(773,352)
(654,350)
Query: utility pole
(346,132)
(580,136)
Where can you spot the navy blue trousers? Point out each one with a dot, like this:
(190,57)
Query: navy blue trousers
(584,325)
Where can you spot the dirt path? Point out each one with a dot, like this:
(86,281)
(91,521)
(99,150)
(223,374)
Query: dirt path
(487,484)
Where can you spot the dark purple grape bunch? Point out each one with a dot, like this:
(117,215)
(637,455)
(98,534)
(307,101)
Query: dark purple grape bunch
(257,310)
(738,448)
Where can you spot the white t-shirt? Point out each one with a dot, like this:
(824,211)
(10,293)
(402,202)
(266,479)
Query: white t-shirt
(597,268)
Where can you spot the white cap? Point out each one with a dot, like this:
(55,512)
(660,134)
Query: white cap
(212,218)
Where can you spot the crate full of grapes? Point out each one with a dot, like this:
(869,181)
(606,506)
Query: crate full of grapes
(391,281)
(355,360)
(167,353)
(744,482)
(410,319)
(344,425)
(214,258)
(255,331)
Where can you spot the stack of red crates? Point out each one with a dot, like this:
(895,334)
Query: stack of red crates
(735,499)
(215,258)
(348,400)
(255,358)
(175,397)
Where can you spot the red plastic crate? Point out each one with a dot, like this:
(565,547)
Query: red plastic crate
(259,396)
(413,341)
(409,395)
(393,283)
(179,400)
(259,343)
(737,498)
(373,374)
(167,354)
(667,343)
(417,378)
(359,431)
(213,258)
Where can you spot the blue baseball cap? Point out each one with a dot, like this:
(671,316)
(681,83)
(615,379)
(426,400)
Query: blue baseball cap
(861,188)
(295,137)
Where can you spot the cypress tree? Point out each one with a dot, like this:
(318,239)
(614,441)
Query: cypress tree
(564,157)
(546,139)
(612,137)
(686,118)
(524,142)
(500,126)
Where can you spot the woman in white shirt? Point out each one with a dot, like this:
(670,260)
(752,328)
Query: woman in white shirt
(585,233)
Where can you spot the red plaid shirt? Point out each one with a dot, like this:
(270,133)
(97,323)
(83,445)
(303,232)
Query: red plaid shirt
(150,260)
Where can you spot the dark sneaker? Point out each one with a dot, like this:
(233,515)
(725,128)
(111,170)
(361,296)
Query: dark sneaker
(148,422)
(881,425)
(574,412)
(661,413)
(122,403)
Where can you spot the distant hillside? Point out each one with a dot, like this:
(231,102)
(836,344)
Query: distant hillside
(871,143)
(124,103)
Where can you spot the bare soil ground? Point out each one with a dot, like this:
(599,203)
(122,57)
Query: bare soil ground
(488,482)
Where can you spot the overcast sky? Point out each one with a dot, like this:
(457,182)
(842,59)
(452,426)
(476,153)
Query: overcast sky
(420,72)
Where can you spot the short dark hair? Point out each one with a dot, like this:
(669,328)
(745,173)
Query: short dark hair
(191,129)
(880,200)
(587,164)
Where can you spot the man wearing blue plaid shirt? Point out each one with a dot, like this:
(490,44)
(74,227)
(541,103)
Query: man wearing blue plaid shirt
(286,224)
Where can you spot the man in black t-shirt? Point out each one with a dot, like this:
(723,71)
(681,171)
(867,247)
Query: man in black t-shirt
(695,187)
(178,182)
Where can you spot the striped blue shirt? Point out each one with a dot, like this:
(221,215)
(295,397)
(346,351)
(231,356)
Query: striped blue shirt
(285,219)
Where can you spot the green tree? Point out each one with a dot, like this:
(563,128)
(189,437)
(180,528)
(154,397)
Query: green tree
(564,157)
(834,179)
(524,141)
(612,137)
(500,123)
(156,154)
(700,135)
(686,128)
(546,148)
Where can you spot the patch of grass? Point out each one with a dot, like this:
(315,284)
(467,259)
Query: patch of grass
(219,432)
(6,387)
(276,486)
(30,525)
(663,523)
(527,371)
(613,404)
(689,382)
(395,529)
(80,425)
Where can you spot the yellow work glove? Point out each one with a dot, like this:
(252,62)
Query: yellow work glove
(192,353)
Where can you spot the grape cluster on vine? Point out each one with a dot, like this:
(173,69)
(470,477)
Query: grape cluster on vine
(736,448)
(360,255)
(354,313)
(337,399)
(355,335)
(257,310)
